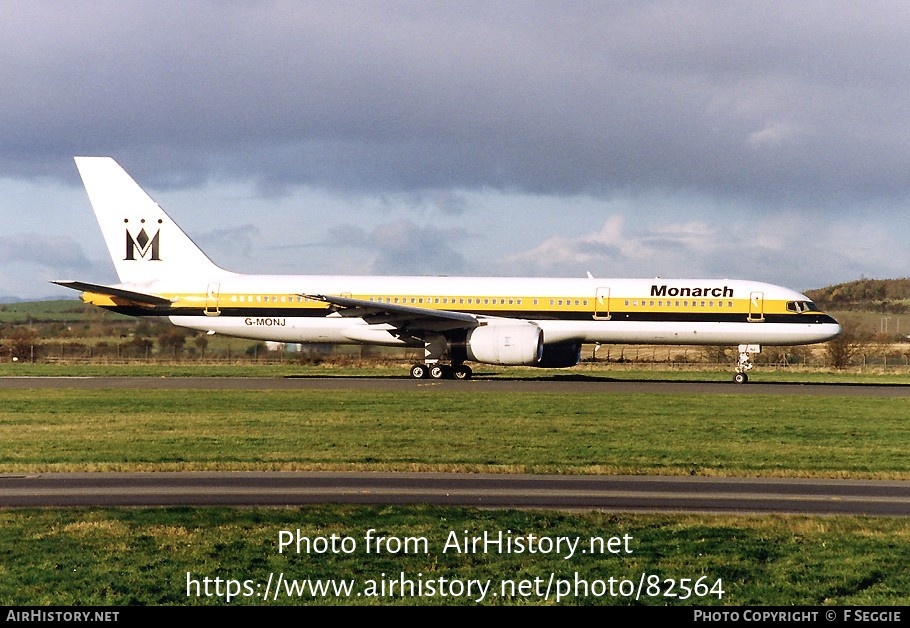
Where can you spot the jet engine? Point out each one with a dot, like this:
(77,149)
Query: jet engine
(511,345)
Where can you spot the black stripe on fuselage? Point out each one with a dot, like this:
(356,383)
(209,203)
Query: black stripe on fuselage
(636,316)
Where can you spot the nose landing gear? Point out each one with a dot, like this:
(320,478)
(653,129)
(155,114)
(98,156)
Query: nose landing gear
(745,362)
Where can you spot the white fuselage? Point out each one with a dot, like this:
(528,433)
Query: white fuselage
(588,310)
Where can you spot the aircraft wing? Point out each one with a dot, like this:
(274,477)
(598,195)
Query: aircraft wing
(137,298)
(400,316)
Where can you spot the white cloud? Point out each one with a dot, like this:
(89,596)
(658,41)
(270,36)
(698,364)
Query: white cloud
(773,134)
(612,245)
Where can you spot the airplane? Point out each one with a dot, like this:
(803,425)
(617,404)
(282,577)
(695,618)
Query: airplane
(536,322)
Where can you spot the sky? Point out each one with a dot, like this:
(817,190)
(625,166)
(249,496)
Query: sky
(755,140)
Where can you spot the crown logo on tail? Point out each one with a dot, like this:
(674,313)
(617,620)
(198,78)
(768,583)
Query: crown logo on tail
(143,244)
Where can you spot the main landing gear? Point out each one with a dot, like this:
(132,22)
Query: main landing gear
(435,347)
(441,371)
(745,362)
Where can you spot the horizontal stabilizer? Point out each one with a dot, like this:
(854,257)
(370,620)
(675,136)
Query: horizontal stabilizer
(149,300)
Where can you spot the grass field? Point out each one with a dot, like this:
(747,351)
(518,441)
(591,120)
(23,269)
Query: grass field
(163,556)
(149,556)
(433,430)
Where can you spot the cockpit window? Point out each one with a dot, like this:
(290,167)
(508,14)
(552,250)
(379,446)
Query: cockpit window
(802,306)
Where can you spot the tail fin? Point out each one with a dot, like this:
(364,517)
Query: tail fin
(144,242)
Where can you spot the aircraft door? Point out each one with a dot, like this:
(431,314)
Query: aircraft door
(756,307)
(602,304)
(211,299)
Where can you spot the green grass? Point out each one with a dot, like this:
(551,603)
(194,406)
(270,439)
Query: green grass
(147,556)
(433,430)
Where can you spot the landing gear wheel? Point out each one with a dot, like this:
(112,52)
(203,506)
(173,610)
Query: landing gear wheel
(419,371)
(460,371)
(745,362)
(439,371)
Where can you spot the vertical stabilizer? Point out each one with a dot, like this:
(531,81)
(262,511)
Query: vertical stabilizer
(145,244)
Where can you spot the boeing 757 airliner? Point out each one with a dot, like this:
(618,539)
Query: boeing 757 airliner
(509,321)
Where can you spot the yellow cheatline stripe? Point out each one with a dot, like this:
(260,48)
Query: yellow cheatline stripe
(555,303)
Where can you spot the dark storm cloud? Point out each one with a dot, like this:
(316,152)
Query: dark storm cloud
(777,101)
(50,252)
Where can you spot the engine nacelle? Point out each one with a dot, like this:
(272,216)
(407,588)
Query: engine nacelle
(510,345)
(560,356)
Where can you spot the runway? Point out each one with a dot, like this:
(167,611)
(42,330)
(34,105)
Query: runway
(575,493)
(601,493)
(558,384)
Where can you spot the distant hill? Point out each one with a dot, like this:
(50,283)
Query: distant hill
(869,295)
(6,299)
(58,310)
